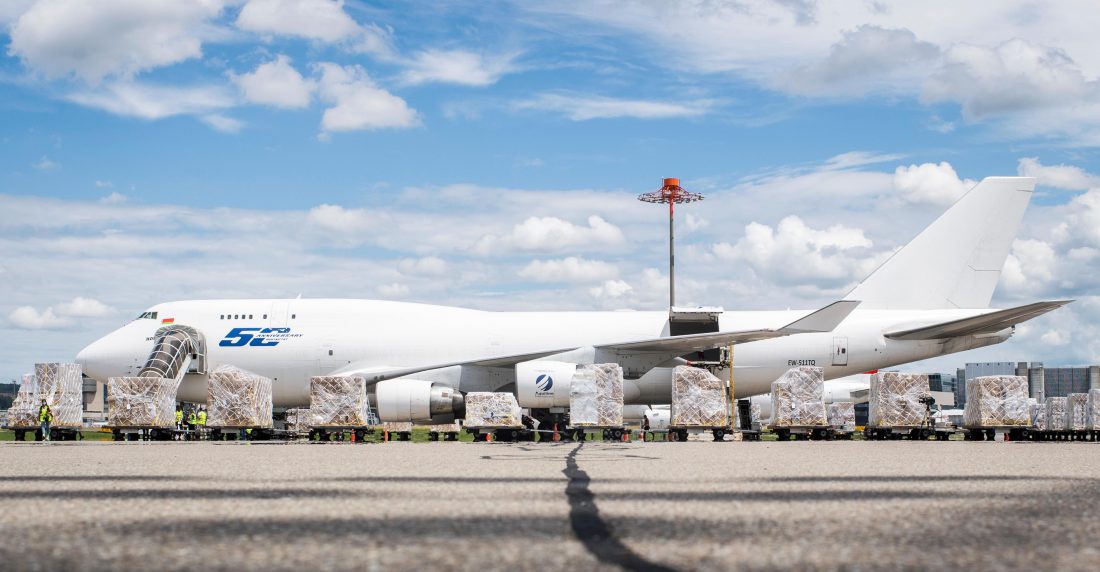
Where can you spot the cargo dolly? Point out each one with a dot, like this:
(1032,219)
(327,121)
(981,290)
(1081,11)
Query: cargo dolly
(990,432)
(145,433)
(607,433)
(911,432)
(803,432)
(505,433)
(328,433)
(251,433)
(56,433)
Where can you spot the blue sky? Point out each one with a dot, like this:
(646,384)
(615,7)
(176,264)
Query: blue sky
(487,154)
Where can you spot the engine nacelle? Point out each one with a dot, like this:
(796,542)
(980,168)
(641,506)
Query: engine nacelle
(543,384)
(415,400)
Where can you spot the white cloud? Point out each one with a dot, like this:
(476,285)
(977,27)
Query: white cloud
(222,123)
(394,290)
(104,184)
(339,219)
(27,318)
(323,20)
(82,307)
(276,83)
(114,198)
(931,183)
(45,164)
(611,289)
(359,104)
(1016,75)
(456,66)
(571,269)
(94,40)
(1030,267)
(552,234)
(1056,337)
(424,266)
(585,107)
(1058,176)
(867,58)
(793,252)
(150,101)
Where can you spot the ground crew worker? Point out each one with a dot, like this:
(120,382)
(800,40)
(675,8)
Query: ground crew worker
(179,418)
(191,420)
(45,416)
(202,419)
(645,426)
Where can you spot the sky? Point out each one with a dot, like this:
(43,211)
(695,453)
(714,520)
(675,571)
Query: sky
(489,154)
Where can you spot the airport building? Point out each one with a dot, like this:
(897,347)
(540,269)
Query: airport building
(1042,381)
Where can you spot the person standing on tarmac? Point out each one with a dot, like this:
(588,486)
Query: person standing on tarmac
(191,421)
(179,419)
(45,416)
(202,419)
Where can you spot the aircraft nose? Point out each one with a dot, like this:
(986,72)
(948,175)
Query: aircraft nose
(106,357)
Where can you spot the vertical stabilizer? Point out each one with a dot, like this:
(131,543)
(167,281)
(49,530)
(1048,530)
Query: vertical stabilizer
(957,261)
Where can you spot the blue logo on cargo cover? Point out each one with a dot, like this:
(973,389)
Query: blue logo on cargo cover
(544,382)
(256,337)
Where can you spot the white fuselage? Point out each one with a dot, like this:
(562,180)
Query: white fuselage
(291,340)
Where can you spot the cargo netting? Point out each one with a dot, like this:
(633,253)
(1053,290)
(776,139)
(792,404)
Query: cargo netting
(338,401)
(397,426)
(141,402)
(23,412)
(842,416)
(485,409)
(997,401)
(297,419)
(1056,413)
(755,414)
(446,427)
(699,399)
(798,398)
(596,396)
(238,398)
(1039,416)
(1094,409)
(1077,412)
(894,399)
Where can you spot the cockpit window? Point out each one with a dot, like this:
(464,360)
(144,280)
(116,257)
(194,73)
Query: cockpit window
(148,316)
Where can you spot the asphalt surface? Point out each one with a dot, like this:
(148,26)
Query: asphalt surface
(496,506)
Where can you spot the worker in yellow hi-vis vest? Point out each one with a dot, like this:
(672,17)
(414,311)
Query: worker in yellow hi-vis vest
(202,421)
(45,417)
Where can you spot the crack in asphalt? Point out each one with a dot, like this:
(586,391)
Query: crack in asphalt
(591,529)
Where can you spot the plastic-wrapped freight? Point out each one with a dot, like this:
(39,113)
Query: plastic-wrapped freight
(698,399)
(238,398)
(997,401)
(445,427)
(141,402)
(23,412)
(842,416)
(1039,416)
(338,401)
(1056,413)
(485,409)
(1077,411)
(1094,409)
(894,399)
(397,426)
(596,396)
(798,398)
(754,416)
(61,385)
(297,419)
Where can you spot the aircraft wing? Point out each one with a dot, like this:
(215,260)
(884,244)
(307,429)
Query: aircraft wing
(984,324)
(822,320)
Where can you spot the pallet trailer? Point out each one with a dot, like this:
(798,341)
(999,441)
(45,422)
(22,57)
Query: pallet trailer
(680,432)
(56,433)
(989,433)
(803,432)
(330,433)
(911,432)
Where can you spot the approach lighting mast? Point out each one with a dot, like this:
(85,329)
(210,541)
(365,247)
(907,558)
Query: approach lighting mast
(671,193)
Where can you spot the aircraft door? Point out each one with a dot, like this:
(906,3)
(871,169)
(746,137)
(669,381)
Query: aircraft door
(280,309)
(840,351)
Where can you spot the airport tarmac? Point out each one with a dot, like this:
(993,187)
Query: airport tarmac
(497,506)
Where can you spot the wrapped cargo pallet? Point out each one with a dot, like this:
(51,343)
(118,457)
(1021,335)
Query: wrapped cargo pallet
(1056,413)
(1077,411)
(894,399)
(141,402)
(1094,409)
(338,401)
(798,398)
(997,401)
(397,426)
(1039,416)
(238,398)
(297,419)
(755,413)
(596,396)
(446,427)
(23,413)
(61,386)
(842,416)
(698,399)
(485,409)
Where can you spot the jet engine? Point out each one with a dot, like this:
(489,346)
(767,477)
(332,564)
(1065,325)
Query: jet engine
(417,400)
(544,384)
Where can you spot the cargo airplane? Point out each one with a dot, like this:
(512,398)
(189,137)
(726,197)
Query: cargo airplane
(930,298)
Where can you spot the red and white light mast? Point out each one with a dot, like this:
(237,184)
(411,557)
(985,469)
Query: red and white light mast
(671,193)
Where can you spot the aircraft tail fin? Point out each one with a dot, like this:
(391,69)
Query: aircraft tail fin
(957,260)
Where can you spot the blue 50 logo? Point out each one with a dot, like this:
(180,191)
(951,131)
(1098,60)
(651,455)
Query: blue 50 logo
(255,337)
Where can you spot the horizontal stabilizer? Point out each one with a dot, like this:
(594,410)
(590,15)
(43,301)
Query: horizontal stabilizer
(984,324)
(823,320)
